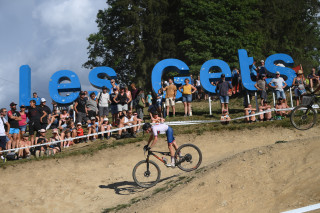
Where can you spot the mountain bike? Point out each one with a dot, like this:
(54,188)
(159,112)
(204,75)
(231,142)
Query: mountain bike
(304,116)
(146,173)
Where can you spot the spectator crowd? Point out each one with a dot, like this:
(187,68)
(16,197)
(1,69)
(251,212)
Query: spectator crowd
(123,106)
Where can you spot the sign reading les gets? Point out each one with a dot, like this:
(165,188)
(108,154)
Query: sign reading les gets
(56,85)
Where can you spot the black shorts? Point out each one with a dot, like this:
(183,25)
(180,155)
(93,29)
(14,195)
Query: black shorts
(34,126)
(44,126)
(3,142)
(91,113)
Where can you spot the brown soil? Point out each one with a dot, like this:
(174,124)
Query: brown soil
(264,179)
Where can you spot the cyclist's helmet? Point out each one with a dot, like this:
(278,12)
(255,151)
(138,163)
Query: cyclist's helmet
(146,126)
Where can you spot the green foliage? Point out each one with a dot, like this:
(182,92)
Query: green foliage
(136,34)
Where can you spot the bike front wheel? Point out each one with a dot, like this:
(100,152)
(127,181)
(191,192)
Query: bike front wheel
(188,157)
(303,117)
(146,174)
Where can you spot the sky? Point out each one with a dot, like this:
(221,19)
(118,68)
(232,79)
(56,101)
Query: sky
(48,36)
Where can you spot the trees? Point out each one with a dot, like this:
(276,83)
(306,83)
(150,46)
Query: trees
(136,34)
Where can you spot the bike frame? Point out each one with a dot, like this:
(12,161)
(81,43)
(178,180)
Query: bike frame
(152,153)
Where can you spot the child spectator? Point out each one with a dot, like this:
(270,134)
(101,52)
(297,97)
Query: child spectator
(40,150)
(149,99)
(24,142)
(93,127)
(265,116)
(225,118)
(79,132)
(105,126)
(57,147)
(159,101)
(250,111)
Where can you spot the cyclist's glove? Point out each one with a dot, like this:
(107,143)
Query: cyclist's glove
(145,148)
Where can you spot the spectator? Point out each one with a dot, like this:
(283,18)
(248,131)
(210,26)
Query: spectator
(122,101)
(63,118)
(235,80)
(114,86)
(105,126)
(91,106)
(86,95)
(253,71)
(23,121)
(3,132)
(67,139)
(261,86)
(139,121)
(152,109)
(80,107)
(159,101)
(149,99)
(79,132)
(313,79)
(171,92)
(280,113)
(40,150)
(192,80)
(24,143)
(93,127)
(103,103)
(13,118)
(47,117)
(187,96)
(34,115)
(113,107)
(57,147)
(198,86)
(262,69)
(265,116)
(250,111)
(280,84)
(128,120)
(225,118)
(141,103)
(134,93)
(155,118)
(299,86)
(54,119)
(35,95)
(129,97)
(223,88)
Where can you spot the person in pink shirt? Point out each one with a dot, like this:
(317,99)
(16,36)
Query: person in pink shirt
(23,121)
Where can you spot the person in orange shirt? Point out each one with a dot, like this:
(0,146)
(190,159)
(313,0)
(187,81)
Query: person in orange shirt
(187,92)
(171,92)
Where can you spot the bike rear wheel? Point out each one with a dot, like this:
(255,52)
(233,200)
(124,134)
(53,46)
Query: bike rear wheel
(188,157)
(303,117)
(146,174)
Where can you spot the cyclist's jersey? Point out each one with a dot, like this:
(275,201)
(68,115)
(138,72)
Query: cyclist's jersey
(159,129)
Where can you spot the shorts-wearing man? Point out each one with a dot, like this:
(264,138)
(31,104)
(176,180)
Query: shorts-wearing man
(222,89)
(171,92)
(161,129)
(80,107)
(13,118)
(279,85)
(3,132)
(103,99)
(34,115)
(45,119)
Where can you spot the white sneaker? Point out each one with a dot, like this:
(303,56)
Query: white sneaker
(171,165)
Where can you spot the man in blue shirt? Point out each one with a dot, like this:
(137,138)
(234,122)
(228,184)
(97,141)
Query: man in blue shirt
(253,71)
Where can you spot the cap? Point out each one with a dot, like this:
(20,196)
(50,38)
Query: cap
(93,118)
(223,75)
(22,106)
(25,135)
(277,72)
(42,130)
(105,119)
(82,93)
(79,124)
(104,87)
(55,131)
(262,61)
(43,100)
(13,104)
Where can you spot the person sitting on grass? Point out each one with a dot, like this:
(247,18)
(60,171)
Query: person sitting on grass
(79,132)
(265,116)
(63,117)
(68,139)
(225,118)
(93,127)
(161,129)
(249,110)
(105,126)
(139,121)
(280,114)
(25,142)
(128,120)
(156,119)
(57,147)
(40,150)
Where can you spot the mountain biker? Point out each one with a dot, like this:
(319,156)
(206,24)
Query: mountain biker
(161,129)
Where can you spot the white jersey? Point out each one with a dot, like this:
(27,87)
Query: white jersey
(126,119)
(2,130)
(103,99)
(159,129)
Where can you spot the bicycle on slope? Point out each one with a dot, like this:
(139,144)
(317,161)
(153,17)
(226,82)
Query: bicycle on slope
(146,173)
(304,116)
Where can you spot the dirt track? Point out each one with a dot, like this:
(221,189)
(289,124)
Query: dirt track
(275,179)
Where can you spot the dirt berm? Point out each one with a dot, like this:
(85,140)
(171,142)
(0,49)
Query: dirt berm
(242,171)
